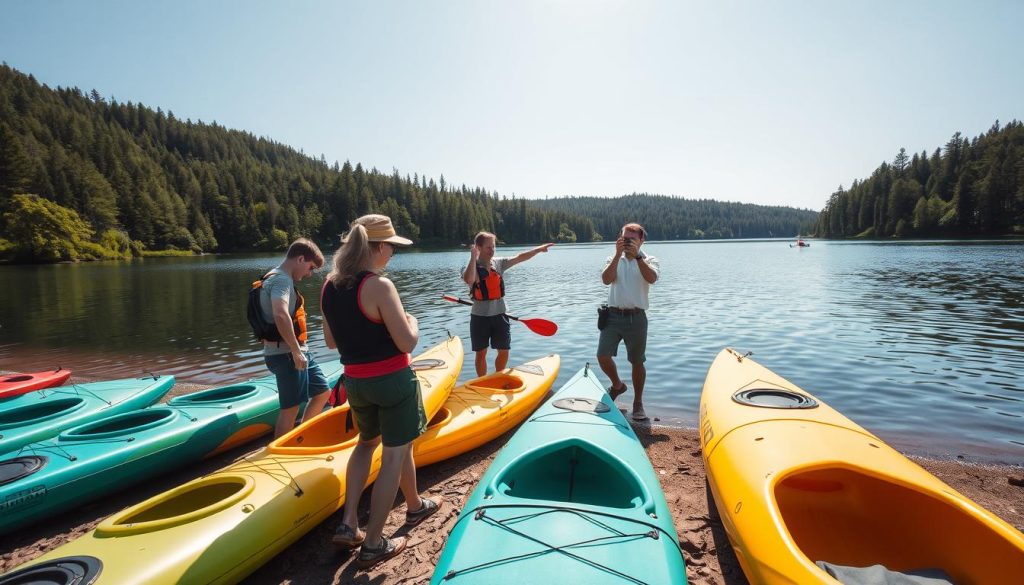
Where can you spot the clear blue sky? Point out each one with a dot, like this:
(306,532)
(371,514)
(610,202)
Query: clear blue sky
(762,102)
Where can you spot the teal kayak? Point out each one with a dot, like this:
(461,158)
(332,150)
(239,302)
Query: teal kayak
(40,415)
(571,499)
(90,460)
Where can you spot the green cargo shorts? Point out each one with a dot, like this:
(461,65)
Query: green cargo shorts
(388,406)
(629,328)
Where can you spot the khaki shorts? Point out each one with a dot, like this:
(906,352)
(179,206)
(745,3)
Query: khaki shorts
(388,406)
(629,328)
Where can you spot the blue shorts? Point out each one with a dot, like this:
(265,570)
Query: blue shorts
(495,330)
(296,386)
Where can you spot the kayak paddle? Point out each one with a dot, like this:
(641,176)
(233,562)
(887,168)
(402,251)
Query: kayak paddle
(538,326)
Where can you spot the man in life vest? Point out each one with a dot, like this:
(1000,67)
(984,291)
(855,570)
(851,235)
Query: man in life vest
(299,378)
(487,322)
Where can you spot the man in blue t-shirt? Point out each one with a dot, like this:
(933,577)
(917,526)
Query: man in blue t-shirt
(299,378)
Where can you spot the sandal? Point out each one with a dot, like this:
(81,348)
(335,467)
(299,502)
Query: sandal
(389,548)
(639,415)
(345,537)
(429,507)
(616,392)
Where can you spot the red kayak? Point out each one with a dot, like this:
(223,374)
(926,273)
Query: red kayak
(17,384)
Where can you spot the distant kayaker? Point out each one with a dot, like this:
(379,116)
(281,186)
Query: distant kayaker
(629,274)
(487,321)
(299,378)
(366,322)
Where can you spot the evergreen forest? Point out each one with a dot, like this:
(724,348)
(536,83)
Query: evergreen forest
(969,187)
(87,177)
(84,177)
(676,218)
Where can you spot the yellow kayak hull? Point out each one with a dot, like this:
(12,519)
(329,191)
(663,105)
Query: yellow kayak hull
(796,482)
(221,527)
(484,408)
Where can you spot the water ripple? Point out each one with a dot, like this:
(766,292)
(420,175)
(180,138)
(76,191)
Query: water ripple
(919,342)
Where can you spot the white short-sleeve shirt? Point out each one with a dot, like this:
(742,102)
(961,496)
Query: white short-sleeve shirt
(630,290)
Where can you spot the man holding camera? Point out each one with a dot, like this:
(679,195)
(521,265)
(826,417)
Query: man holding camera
(629,275)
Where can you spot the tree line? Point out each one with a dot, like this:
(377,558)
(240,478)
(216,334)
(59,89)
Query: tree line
(88,177)
(676,218)
(84,177)
(969,187)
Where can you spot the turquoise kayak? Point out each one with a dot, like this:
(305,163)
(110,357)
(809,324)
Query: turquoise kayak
(571,499)
(40,415)
(90,460)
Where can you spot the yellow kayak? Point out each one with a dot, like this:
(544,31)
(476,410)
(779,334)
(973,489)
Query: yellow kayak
(805,494)
(221,527)
(484,408)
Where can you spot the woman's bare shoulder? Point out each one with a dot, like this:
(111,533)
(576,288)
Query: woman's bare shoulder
(375,283)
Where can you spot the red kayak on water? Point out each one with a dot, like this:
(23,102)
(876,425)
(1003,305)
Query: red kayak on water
(13,385)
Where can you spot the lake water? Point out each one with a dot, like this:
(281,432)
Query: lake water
(919,342)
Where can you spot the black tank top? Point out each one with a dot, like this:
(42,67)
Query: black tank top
(360,340)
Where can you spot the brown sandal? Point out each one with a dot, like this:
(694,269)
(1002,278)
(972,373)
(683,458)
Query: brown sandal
(389,548)
(426,510)
(347,538)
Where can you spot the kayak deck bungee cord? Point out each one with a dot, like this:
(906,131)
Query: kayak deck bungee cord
(484,408)
(84,462)
(45,413)
(571,498)
(221,527)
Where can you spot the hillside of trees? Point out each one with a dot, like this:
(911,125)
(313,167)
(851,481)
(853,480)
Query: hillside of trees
(85,177)
(967,188)
(676,218)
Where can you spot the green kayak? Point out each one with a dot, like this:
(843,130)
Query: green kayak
(40,415)
(90,460)
(571,499)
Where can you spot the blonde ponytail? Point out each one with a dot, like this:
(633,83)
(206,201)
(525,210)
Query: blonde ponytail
(351,258)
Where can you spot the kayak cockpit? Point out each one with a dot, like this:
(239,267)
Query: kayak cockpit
(216,395)
(121,425)
(39,412)
(497,382)
(186,503)
(329,431)
(16,468)
(849,518)
(16,378)
(572,472)
(441,418)
(62,571)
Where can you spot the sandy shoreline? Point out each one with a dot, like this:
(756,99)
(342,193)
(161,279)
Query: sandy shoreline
(675,454)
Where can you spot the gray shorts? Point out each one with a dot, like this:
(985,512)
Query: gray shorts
(629,328)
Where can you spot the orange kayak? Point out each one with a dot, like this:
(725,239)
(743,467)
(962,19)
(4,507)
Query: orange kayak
(483,408)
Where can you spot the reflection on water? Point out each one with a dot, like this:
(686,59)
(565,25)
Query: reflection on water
(919,342)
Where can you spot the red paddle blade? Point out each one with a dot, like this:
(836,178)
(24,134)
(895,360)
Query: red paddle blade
(456,300)
(540,326)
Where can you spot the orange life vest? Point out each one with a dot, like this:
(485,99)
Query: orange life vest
(268,331)
(489,284)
